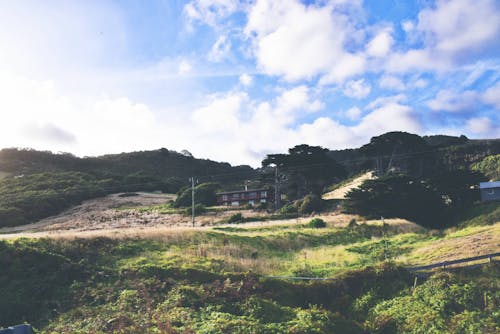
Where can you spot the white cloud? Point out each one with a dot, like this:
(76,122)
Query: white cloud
(460,25)
(386,100)
(492,96)
(358,89)
(353,113)
(36,114)
(452,31)
(381,44)
(184,67)
(297,41)
(480,125)
(210,12)
(222,114)
(448,100)
(246,79)
(220,49)
(391,82)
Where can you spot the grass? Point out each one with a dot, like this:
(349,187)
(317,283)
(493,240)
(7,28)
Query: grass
(213,280)
(3,174)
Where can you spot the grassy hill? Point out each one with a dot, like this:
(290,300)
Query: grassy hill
(219,280)
(43,183)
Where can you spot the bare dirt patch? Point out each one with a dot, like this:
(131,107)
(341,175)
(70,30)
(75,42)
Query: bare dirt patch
(340,192)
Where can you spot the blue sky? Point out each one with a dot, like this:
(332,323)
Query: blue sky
(235,80)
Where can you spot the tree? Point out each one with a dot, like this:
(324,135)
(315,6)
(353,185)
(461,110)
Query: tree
(489,166)
(398,196)
(305,169)
(204,194)
(399,151)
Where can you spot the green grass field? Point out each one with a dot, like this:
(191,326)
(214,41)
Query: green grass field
(217,281)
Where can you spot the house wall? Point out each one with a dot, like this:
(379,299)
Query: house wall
(490,194)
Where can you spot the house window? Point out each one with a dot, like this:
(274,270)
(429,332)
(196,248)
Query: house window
(235,196)
(491,191)
(225,197)
(263,194)
(252,195)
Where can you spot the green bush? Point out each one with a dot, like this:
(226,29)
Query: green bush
(235,218)
(317,223)
(309,204)
(204,194)
(287,209)
(198,210)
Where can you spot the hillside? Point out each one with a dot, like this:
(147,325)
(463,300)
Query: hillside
(43,183)
(222,280)
(415,155)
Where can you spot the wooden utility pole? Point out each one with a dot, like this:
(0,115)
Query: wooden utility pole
(277,196)
(192,200)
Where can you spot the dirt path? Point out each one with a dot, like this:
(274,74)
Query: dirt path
(340,193)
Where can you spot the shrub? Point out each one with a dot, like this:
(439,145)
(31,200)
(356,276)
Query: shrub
(235,218)
(287,209)
(309,204)
(262,207)
(198,210)
(204,194)
(317,223)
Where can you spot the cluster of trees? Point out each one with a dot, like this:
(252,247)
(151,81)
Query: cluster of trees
(304,170)
(489,166)
(433,202)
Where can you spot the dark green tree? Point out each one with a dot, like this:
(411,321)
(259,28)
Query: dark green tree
(398,152)
(204,194)
(305,169)
(398,196)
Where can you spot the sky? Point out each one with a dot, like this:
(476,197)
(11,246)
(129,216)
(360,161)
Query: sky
(235,80)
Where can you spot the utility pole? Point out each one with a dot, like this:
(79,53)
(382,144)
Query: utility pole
(277,196)
(192,200)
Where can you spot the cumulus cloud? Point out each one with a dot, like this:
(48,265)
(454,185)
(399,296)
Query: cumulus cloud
(451,32)
(479,125)
(353,113)
(246,79)
(210,12)
(37,114)
(295,51)
(391,82)
(492,96)
(220,49)
(358,89)
(452,101)
(48,133)
(460,25)
(381,44)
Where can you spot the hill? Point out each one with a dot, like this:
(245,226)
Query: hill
(227,279)
(415,155)
(38,184)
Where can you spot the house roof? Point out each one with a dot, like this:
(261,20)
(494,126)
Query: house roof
(240,191)
(487,185)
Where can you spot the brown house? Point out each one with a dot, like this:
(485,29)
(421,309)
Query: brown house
(243,197)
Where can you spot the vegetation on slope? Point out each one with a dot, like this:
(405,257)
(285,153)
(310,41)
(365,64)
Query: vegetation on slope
(42,184)
(215,282)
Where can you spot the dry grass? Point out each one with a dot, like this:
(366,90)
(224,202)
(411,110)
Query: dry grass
(340,192)
(456,245)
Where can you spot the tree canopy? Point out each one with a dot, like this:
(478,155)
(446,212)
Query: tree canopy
(305,169)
